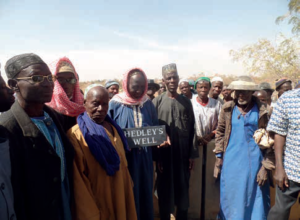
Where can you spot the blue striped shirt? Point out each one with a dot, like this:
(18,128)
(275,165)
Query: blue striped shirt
(285,120)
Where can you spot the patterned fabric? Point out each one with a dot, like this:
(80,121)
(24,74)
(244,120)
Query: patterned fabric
(46,125)
(60,101)
(124,97)
(285,121)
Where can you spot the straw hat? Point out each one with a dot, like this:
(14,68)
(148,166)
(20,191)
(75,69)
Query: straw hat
(243,83)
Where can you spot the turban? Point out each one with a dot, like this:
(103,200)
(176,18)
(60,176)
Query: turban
(216,79)
(17,63)
(109,83)
(202,79)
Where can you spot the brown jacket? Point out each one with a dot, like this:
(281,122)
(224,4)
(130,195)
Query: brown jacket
(224,130)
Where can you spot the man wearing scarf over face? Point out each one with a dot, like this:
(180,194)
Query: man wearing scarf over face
(67,98)
(133,109)
(174,162)
(41,154)
(102,184)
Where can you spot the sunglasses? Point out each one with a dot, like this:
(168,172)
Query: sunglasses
(38,78)
(62,80)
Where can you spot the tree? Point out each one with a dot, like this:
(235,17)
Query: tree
(293,15)
(271,60)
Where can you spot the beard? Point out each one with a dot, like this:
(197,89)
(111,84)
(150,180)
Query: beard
(243,102)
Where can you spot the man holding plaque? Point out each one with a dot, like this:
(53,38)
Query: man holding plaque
(174,162)
(133,109)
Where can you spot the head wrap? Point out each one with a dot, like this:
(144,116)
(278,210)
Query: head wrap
(216,79)
(169,68)
(124,97)
(191,82)
(183,80)
(202,79)
(60,102)
(281,81)
(109,83)
(87,89)
(17,63)
(99,143)
(243,83)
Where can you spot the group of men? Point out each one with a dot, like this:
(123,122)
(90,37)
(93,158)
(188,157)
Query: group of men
(64,155)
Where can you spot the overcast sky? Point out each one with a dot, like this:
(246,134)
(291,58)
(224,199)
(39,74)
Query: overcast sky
(104,39)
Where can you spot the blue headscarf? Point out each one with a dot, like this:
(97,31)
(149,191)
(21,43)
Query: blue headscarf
(100,144)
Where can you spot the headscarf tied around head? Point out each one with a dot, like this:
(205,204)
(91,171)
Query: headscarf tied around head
(124,97)
(60,101)
(202,79)
(100,144)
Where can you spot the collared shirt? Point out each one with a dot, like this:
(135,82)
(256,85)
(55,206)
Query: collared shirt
(285,121)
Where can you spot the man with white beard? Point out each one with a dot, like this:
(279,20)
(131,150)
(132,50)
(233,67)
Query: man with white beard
(244,187)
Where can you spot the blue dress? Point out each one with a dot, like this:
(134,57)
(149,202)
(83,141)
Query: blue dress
(241,197)
(140,162)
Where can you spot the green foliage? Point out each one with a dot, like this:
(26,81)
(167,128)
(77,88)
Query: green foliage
(268,60)
(292,15)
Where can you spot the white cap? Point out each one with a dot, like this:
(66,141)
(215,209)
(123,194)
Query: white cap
(183,80)
(217,79)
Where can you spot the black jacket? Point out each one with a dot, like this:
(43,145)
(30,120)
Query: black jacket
(35,165)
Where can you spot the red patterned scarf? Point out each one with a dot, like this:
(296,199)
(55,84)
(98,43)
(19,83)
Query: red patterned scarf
(124,97)
(60,102)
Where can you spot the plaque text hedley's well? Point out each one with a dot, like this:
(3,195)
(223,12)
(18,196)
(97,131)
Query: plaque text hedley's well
(145,136)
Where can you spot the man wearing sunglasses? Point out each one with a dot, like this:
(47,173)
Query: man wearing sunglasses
(41,155)
(67,98)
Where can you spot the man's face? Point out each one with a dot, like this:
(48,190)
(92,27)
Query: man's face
(203,88)
(243,96)
(6,96)
(66,80)
(262,96)
(96,104)
(226,93)
(171,81)
(33,92)
(284,88)
(162,88)
(184,88)
(113,90)
(216,88)
(136,86)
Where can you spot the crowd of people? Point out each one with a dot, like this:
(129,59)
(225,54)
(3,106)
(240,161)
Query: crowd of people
(64,154)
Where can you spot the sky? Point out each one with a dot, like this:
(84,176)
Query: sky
(105,38)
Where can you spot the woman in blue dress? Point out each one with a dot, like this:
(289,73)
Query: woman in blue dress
(244,185)
(132,109)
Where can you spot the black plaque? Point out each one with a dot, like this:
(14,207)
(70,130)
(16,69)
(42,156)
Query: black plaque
(145,136)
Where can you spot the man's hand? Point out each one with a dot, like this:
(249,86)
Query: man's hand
(218,167)
(281,178)
(165,143)
(262,176)
(191,164)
